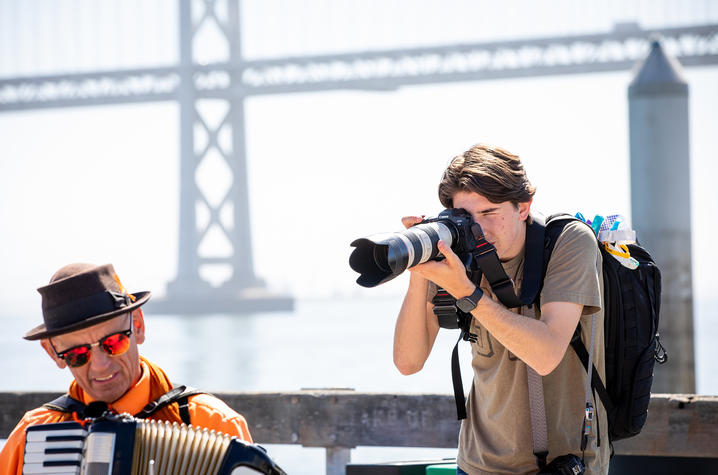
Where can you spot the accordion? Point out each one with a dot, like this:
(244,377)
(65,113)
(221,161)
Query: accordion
(114,445)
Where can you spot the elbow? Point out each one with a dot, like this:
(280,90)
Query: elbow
(544,370)
(547,364)
(407,366)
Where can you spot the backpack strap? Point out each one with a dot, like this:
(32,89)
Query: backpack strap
(179,394)
(596,382)
(554,227)
(590,410)
(487,261)
(537,252)
(534,268)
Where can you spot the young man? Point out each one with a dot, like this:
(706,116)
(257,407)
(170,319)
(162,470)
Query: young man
(92,326)
(491,184)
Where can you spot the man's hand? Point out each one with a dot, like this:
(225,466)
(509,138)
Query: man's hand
(409,221)
(449,273)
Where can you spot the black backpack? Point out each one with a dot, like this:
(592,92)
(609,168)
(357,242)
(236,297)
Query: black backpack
(631,301)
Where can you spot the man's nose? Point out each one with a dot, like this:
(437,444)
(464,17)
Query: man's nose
(99,358)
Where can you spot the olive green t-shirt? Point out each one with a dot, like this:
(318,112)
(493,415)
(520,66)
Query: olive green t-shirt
(496,437)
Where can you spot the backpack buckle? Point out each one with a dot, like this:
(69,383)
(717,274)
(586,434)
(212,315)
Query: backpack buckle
(660,354)
(507,282)
(444,310)
(149,407)
(589,413)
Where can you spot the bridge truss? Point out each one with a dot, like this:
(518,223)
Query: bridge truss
(230,82)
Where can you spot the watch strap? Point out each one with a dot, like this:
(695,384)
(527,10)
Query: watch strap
(467,304)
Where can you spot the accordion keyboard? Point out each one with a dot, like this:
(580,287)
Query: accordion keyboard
(54,448)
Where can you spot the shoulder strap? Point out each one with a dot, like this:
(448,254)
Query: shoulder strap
(596,382)
(553,228)
(66,403)
(533,260)
(540,238)
(179,394)
(487,261)
(555,224)
(537,411)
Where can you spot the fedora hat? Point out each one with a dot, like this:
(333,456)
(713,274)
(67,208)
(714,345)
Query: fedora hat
(82,295)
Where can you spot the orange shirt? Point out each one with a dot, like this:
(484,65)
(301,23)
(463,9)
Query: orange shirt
(205,411)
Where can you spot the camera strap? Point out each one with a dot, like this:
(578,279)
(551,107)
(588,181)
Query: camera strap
(537,408)
(456,380)
(449,316)
(485,258)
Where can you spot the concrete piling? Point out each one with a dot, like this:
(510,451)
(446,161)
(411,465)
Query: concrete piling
(661,203)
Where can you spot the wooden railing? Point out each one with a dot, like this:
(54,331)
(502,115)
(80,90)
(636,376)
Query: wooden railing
(678,425)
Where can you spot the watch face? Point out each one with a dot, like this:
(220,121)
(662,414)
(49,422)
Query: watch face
(465,304)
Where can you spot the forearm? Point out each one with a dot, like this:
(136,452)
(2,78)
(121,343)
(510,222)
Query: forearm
(533,341)
(415,332)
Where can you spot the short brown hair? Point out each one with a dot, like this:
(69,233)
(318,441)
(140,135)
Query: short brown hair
(489,171)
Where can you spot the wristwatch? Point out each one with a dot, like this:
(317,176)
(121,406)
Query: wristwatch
(467,304)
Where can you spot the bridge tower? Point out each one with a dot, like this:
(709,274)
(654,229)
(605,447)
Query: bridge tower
(203,208)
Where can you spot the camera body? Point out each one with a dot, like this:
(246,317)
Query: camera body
(462,227)
(569,464)
(381,257)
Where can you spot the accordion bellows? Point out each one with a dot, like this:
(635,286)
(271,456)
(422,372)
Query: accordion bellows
(178,449)
(122,444)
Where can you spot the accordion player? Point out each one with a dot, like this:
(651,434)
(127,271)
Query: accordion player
(114,445)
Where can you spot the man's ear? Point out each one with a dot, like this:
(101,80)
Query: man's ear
(524,209)
(58,361)
(138,325)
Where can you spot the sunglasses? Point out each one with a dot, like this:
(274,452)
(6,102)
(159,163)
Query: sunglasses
(113,344)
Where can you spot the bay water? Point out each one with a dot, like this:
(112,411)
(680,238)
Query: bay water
(327,343)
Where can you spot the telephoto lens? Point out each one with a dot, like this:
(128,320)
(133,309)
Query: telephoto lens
(381,257)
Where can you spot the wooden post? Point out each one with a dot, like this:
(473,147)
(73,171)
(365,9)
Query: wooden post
(337,460)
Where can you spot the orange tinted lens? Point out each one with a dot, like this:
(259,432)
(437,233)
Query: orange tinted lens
(77,356)
(116,344)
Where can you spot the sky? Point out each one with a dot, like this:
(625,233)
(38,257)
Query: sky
(101,184)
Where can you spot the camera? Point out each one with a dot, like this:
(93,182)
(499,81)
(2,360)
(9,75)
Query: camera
(381,257)
(569,464)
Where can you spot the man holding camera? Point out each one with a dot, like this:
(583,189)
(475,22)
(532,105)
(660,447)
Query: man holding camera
(92,326)
(512,345)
